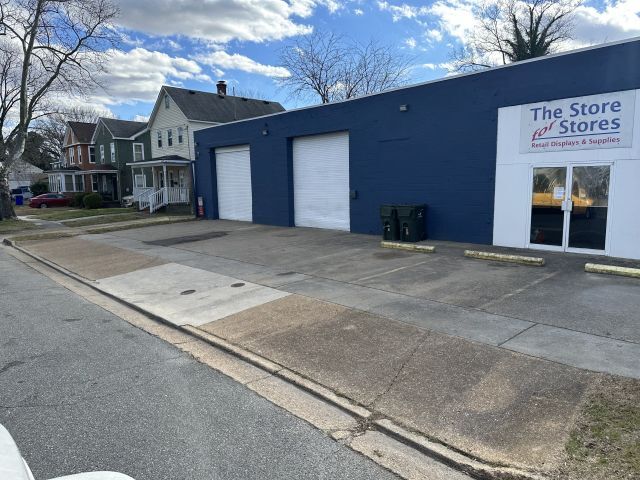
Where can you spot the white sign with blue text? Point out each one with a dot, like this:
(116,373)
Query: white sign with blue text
(581,123)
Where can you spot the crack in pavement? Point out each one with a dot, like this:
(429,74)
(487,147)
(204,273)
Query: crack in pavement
(11,365)
(423,338)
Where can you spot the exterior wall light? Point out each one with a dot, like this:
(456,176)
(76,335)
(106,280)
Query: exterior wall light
(404,107)
(265,132)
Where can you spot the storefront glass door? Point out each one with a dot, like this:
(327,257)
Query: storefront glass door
(547,201)
(569,207)
(590,207)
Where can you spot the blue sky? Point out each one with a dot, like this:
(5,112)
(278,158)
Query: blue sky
(194,43)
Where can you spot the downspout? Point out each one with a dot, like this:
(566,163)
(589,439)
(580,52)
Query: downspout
(194,203)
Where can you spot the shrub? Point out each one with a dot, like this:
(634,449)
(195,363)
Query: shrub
(78,199)
(92,200)
(39,187)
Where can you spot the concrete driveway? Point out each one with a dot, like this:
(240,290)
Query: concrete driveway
(557,312)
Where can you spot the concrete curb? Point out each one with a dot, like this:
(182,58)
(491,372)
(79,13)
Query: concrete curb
(412,247)
(612,270)
(504,257)
(438,451)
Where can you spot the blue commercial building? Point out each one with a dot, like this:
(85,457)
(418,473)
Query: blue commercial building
(539,154)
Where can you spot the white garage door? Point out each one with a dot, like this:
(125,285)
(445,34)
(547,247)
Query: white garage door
(321,181)
(233,171)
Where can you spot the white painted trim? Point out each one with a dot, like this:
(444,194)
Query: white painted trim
(134,151)
(144,180)
(566,226)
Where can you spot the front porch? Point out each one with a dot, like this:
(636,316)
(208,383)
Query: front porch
(74,180)
(162,182)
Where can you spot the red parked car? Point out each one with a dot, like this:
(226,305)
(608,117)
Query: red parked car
(49,200)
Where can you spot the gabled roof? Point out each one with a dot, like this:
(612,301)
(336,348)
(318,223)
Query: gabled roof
(122,128)
(213,108)
(82,130)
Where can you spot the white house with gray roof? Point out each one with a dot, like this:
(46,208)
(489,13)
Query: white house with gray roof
(176,115)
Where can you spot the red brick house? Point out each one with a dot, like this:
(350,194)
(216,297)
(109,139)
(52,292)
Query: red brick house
(77,171)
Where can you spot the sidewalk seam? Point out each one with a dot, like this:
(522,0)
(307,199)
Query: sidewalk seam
(517,334)
(418,441)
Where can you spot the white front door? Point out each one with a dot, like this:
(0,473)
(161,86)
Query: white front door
(570,208)
(321,181)
(233,175)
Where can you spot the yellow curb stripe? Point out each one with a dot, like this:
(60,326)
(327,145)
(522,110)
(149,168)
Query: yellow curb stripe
(503,257)
(412,247)
(612,270)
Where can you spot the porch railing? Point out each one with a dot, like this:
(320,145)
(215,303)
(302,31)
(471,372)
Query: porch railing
(141,197)
(164,196)
(157,199)
(178,195)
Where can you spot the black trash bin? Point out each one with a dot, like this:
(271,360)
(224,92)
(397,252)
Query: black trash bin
(411,219)
(389,218)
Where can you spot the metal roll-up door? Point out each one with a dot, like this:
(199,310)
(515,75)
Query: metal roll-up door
(321,181)
(233,173)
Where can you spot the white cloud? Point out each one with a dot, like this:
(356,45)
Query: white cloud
(433,34)
(410,42)
(359,12)
(221,21)
(403,11)
(616,20)
(455,17)
(140,118)
(236,61)
(619,20)
(137,75)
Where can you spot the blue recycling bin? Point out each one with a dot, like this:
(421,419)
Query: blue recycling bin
(19,200)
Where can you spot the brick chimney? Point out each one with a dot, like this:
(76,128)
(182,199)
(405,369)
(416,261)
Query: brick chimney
(222,88)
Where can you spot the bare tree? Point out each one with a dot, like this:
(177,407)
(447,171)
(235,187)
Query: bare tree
(50,48)
(53,126)
(514,30)
(336,68)
(248,93)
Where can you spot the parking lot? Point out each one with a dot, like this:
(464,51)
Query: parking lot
(534,310)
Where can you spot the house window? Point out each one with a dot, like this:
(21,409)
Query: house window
(101,156)
(180,134)
(92,154)
(71,156)
(112,147)
(79,183)
(141,181)
(159,139)
(79,156)
(169,138)
(105,188)
(166,101)
(94,181)
(138,152)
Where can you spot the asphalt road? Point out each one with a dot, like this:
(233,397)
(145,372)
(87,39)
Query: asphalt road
(82,390)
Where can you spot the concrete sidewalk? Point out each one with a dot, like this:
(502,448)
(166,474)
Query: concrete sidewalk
(557,312)
(447,370)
